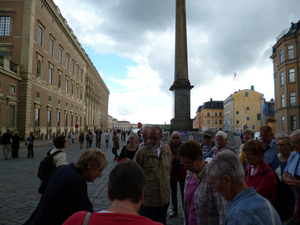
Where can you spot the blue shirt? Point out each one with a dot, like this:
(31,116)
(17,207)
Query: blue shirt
(249,208)
(107,136)
(278,166)
(292,162)
(272,150)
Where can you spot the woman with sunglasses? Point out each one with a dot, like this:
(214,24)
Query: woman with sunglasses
(201,204)
(178,172)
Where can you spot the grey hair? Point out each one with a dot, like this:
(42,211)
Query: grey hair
(175,132)
(134,135)
(295,133)
(222,133)
(226,163)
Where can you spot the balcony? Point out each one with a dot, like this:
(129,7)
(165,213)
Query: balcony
(6,64)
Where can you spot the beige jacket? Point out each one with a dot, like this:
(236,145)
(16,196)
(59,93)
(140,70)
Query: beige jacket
(60,158)
(157,170)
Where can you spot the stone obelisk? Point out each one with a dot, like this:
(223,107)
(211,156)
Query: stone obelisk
(181,87)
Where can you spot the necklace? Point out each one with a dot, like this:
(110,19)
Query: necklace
(120,206)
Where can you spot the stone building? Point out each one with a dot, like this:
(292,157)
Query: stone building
(210,116)
(244,109)
(286,57)
(48,83)
(124,125)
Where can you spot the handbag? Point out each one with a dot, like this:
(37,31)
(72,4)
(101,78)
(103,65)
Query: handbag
(123,159)
(26,142)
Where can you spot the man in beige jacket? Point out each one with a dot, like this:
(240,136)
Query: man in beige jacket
(60,143)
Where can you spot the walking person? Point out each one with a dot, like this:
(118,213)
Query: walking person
(107,136)
(98,133)
(30,145)
(81,139)
(5,141)
(72,137)
(15,145)
(116,145)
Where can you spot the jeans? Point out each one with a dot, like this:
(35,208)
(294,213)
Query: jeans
(157,214)
(98,141)
(173,184)
(30,151)
(115,152)
(106,142)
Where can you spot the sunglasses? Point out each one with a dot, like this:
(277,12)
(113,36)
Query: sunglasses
(175,137)
(207,137)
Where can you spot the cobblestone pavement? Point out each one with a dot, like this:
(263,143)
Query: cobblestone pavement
(19,183)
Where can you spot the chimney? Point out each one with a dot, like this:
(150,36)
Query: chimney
(252,87)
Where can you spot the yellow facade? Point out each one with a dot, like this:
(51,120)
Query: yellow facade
(244,109)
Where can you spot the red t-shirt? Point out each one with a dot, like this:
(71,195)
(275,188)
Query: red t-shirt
(109,219)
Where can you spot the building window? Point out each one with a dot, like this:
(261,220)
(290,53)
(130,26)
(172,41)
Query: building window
(59,81)
(293,123)
(4,25)
(81,75)
(38,68)
(216,121)
(282,78)
(237,122)
(290,51)
(50,99)
(80,95)
(292,98)
(282,101)
(67,62)
(282,122)
(66,104)
(12,89)
(37,117)
(4,54)
(66,120)
(281,56)
(216,114)
(71,120)
(77,72)
(248,118)
(208,121)
(49,118)
(80,121)
(51,46)
(247,108)
(11,115)
(76,92)
(208,113)
(258,116)
(220,121)
(40,35)
(50,75)
(72,89)
(67,85)
(73,67)
(58,119)
(220,114)
(292,75)
(38,94)
(58,101)
(60,55)
(237,112)
(246,94)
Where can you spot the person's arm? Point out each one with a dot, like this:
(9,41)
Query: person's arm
(122,154)
(267,184)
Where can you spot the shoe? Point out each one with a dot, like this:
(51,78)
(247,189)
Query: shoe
(173,214)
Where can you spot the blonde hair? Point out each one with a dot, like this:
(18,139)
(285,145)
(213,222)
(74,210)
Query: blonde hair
(92,155)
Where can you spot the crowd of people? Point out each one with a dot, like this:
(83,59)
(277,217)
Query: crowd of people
(219,184)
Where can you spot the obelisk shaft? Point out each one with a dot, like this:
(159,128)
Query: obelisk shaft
(181,86)
(181,66)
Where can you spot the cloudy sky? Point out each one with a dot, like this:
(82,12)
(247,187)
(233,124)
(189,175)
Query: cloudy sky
(132,45)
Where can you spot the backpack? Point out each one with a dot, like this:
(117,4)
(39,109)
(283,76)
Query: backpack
(88,137)
(46,165)
(284,198)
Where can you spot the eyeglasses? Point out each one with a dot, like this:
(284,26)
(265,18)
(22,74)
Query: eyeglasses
(175,137)
(186,164)
(207,137)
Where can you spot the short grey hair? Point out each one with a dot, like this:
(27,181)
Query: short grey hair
(295,133)
(134,135)
(221,133)
(226,163)
(175,132)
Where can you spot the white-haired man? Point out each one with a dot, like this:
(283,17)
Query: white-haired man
(222,144)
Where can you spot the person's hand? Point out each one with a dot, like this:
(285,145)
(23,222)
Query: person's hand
(286,176)
(295,184)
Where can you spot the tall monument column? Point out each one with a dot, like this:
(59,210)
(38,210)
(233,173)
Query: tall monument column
(181,86)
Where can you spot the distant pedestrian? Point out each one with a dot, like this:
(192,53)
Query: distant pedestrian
(30,145)
(98,133)
(81,139)
(6,142)
(15,145)
(107,136)
(72,137)
(116,145)
(89,139)
(69,137)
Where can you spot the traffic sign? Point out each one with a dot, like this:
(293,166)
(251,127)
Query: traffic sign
(76,126)
(140,125)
